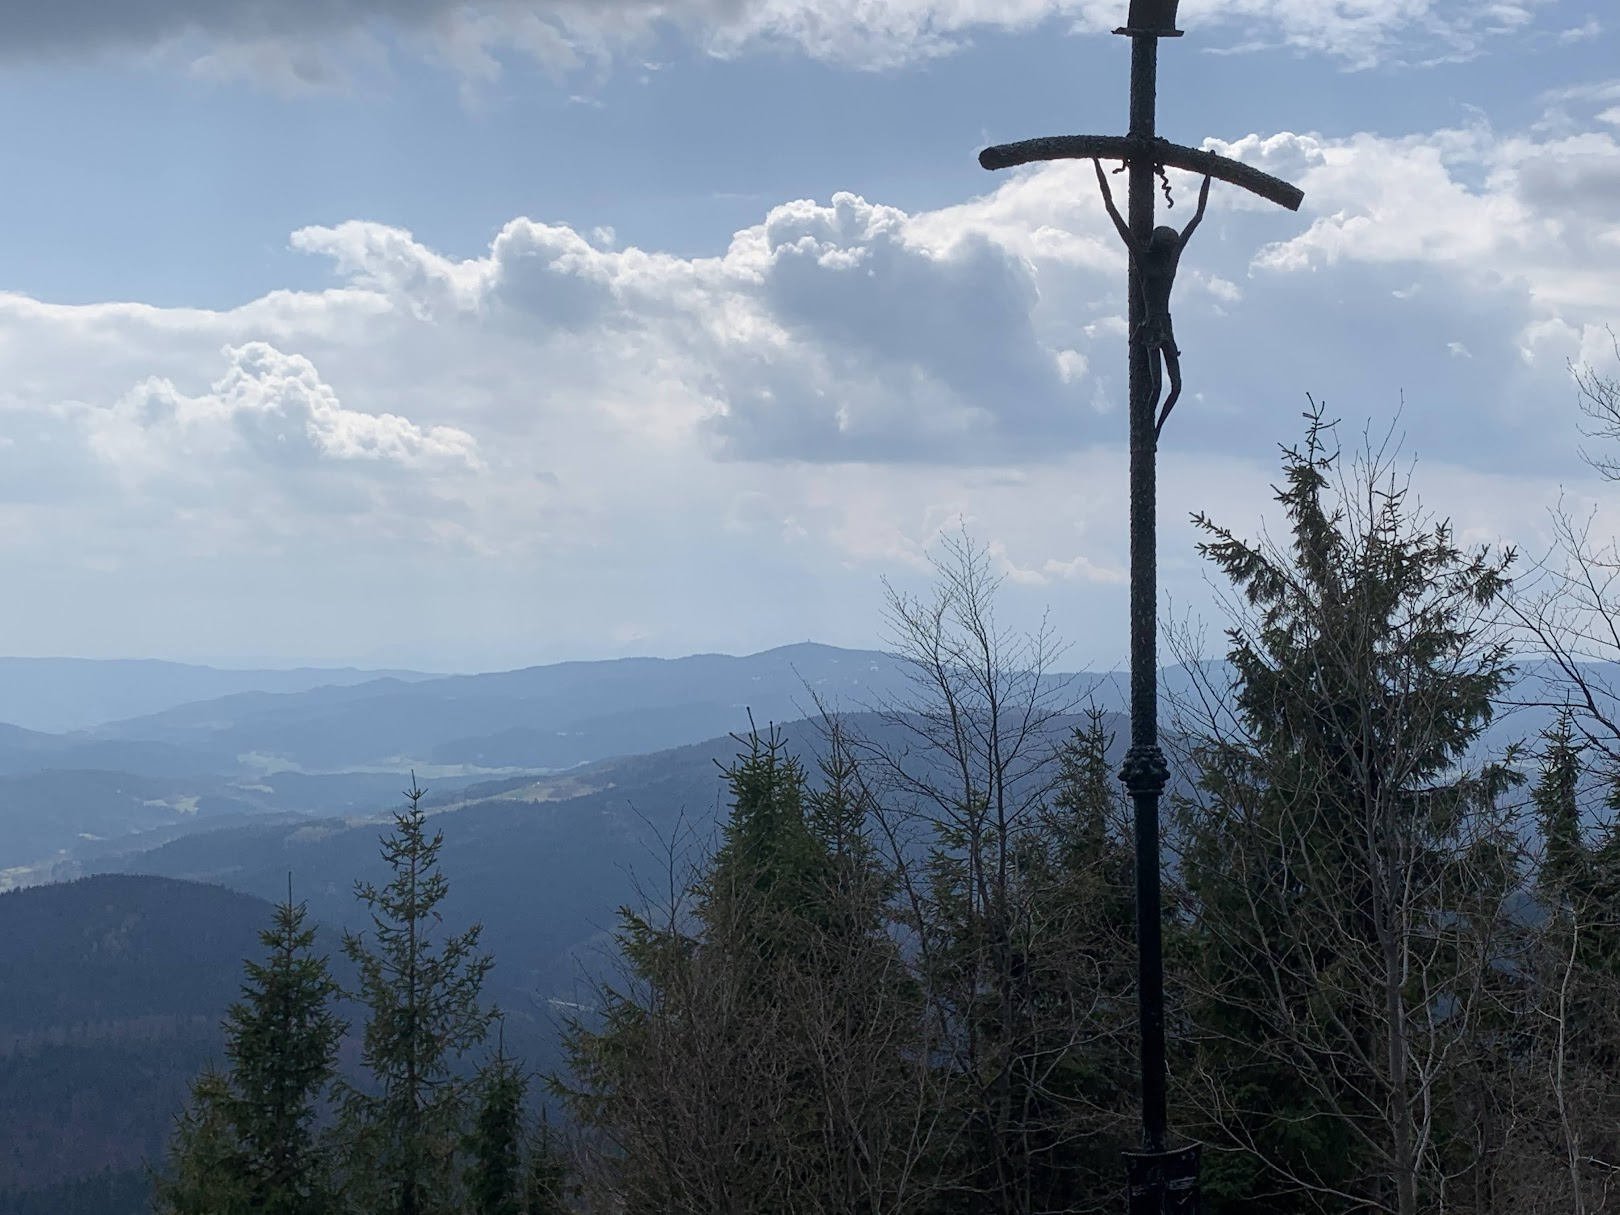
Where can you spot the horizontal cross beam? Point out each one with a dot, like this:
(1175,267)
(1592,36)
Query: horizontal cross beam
(1159,151)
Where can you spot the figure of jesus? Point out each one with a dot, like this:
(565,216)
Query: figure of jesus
(1156,263)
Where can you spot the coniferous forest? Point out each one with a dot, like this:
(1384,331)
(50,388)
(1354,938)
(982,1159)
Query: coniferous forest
(901,979)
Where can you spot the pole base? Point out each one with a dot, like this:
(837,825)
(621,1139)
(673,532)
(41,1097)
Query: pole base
(1162,1183)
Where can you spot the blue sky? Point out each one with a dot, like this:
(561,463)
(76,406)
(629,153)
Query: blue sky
(471,336)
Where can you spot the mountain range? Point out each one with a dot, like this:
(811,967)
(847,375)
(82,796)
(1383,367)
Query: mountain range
(298,743)
(561,791)
(112,984)
(543,863)
(346,747)
(58,695)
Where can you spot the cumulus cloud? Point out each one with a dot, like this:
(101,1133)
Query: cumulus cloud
(832,332)
(266,449)
(294,41)
(986,333)
(892,344)
(268,406)
(1530,222)
(989,332)
(817,401)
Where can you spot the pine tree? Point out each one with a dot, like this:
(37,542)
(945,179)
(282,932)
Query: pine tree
(769,868)
(1574,1032)
(1335,829)
(1034,963)
(282,1039)
(1580,932)
(1565,873)
(495,1177)
(423,1014)
(755,1059)
(248,1141)
(1083,946)
(964,795)
(205,1173)
(854,1008)
(854,879)
(546,1189)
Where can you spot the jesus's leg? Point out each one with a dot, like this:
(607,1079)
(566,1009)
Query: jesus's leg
(1172,360)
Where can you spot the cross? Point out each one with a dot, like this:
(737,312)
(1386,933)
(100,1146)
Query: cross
(1158,1181)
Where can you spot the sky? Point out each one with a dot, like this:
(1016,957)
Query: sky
(466,337)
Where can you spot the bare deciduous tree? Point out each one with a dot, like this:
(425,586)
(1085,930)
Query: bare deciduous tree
(1569,609)
(1011,893)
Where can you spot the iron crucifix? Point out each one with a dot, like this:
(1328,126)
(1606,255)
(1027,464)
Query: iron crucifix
(1155,254)
(1160,1180)
(1155,261)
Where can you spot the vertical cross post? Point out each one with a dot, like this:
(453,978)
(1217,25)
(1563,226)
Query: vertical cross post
(1159,1181)
(1151,1173)
(1145,773)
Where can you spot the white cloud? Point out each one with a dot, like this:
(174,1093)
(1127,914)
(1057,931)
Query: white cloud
(304,43)
(1498,213)
(1053,569)
(270,408)
(828,332)
(572,434)
(1588,29)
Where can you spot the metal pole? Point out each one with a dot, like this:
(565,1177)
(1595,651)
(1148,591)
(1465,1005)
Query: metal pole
(1153,1173)
(1144,772)
(1158,1181)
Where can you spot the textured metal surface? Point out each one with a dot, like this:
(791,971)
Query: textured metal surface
(1160,151)
(1147,765)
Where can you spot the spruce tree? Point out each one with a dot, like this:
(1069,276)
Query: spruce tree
(1580,928)
(1031,954)
(759,906)
(769,868)
(1578,888)
(1083,971)
(1566,870)
(755,1059)
(495,1175)
(282,1039)
(423,1013)
(204,1173)
(1334,829)
(546,1185)
(248,1142)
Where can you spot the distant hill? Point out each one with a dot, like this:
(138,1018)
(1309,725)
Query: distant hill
(540,717)
(120,948)
(111,993)
(72,801)
(32,751)
(544,863)
(107,1192)
(347,745)
(64,694)
(51,818)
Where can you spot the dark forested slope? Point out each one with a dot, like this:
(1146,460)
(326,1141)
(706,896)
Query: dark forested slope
(111,993)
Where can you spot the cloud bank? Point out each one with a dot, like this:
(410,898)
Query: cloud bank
(304,42)
(585,440)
